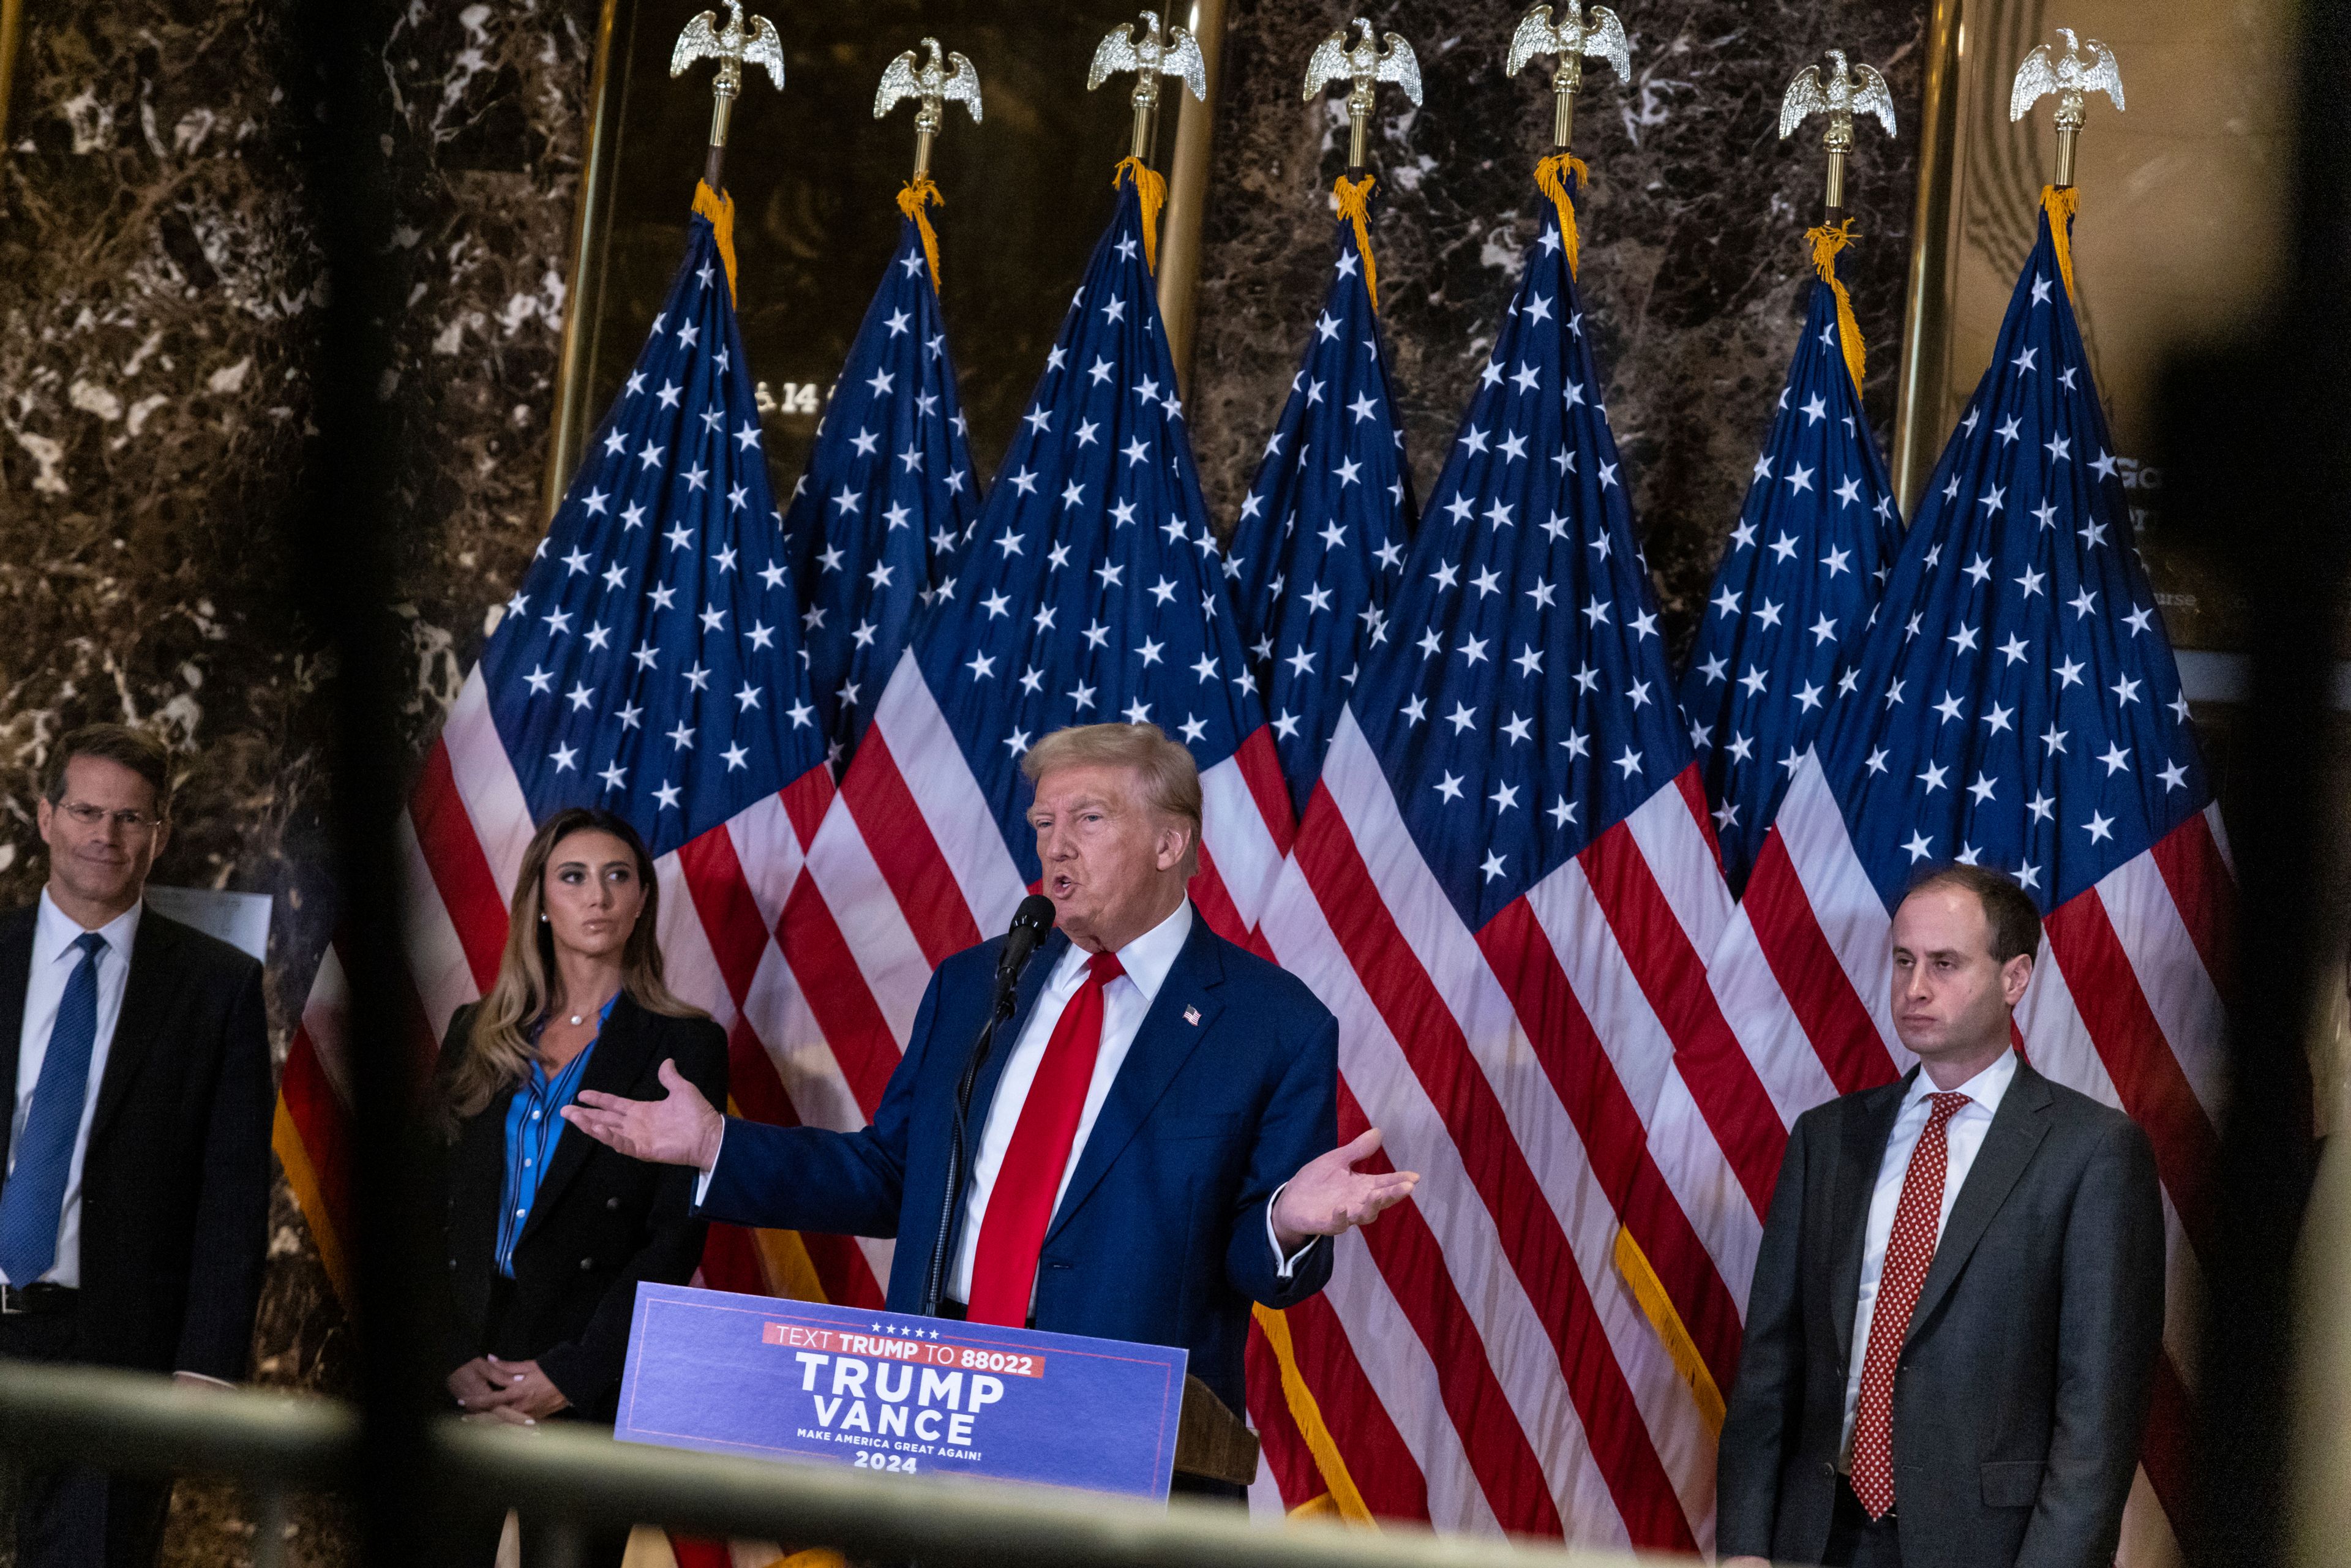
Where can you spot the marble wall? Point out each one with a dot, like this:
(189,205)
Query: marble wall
(1694,264)
(158,290)
(158,286)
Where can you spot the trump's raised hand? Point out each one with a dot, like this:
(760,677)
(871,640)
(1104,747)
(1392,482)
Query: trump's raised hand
(679,1129)
(1328,1196)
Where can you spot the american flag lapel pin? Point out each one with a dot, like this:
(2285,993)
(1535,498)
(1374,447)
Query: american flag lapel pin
(1192,1017)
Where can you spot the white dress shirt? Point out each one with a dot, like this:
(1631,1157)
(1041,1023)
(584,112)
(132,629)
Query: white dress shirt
(55,957)
(1126,1002)
(1964,1134)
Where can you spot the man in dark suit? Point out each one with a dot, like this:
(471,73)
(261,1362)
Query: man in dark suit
(135,1200)
(1952,1328)
(1151,1137)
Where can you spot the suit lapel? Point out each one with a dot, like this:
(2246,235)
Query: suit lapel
(1868,1126)
(15,979)
(477,1176)
(2016,1130)
(1165,1041)
(146,1000)
(615,1064)
(1042,965)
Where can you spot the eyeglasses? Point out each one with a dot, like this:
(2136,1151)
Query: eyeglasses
(132,823)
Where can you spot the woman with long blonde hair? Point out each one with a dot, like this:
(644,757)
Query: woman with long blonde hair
(549,1231)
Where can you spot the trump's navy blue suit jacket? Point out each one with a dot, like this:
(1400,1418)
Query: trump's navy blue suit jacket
(1161,1237)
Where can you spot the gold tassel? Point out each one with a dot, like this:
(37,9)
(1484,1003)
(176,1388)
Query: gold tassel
(920,193)
(1658,1307)
(719,208)
(1354,197)
(1153,192)
(2061,203)
(1346,1499)
(1551,178)
(1826,242)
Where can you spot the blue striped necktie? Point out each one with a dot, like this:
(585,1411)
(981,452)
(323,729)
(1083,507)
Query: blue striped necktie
(33,1202)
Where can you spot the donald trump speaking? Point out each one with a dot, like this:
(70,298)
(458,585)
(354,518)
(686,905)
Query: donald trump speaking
(1150,1142)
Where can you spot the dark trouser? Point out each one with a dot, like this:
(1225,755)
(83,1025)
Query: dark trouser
(1856,1541)
(471,1537)
(71,1516)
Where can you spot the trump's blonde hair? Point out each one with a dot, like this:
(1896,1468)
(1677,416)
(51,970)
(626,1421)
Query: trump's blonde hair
(1169,779)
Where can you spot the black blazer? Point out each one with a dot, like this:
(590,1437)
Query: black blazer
(175,1185)
(2023,1384)
(601,1223)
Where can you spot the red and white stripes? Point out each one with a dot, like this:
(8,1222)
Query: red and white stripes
(1615,1056)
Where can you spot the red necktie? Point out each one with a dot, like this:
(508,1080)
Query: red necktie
(1908,1251)
(1021,1204)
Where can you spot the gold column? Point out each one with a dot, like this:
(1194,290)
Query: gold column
(1926,302)
(11,27)
(1187,195)
(590,234)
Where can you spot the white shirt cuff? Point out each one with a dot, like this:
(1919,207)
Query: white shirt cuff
(1283,1267)
(702,1182)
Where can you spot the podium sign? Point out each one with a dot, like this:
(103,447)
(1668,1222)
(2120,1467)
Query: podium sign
(892,1391)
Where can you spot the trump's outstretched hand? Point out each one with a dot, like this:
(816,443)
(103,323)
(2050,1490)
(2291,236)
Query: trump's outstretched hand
(680,1129)
(1327,1197)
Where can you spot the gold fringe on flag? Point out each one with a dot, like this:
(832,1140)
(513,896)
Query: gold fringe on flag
(1344,1496)
(1658,1307)
(1354,198)
(1551,178)
(1825,243)
(1153,192)
(920,193)
(2061,203)
(719,208)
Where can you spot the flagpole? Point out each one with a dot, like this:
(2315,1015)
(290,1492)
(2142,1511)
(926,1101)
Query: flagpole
(2072,76)
(741,41)
(946,75)
(1150,51)
(1567,32)
(1363,65)
(1849,91)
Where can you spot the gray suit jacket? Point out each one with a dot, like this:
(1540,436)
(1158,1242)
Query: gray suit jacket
(2024,1380)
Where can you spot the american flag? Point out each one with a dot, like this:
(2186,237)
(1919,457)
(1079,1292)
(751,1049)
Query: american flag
(1798,577)
(2018,706)
(1319,544)
(1091,591)
(1505,888)
(648,663)
(886,500)
(1317,554)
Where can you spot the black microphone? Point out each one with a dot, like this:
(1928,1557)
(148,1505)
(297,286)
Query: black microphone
(1030,924)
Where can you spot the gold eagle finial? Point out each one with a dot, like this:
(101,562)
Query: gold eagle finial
(947,77)
(1567,32)
(1363,65)
(2070,78)
(1850,90)
(742,41)
(1150,55)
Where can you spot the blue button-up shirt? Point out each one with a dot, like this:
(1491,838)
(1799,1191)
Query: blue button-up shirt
(533,1127)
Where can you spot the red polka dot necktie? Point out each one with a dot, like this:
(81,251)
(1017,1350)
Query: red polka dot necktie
(1021,1204)
(1908,1251)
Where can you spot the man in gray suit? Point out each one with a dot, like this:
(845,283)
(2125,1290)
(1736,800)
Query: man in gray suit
(1957,1302)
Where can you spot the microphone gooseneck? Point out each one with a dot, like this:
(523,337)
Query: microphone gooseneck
(1030,925)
